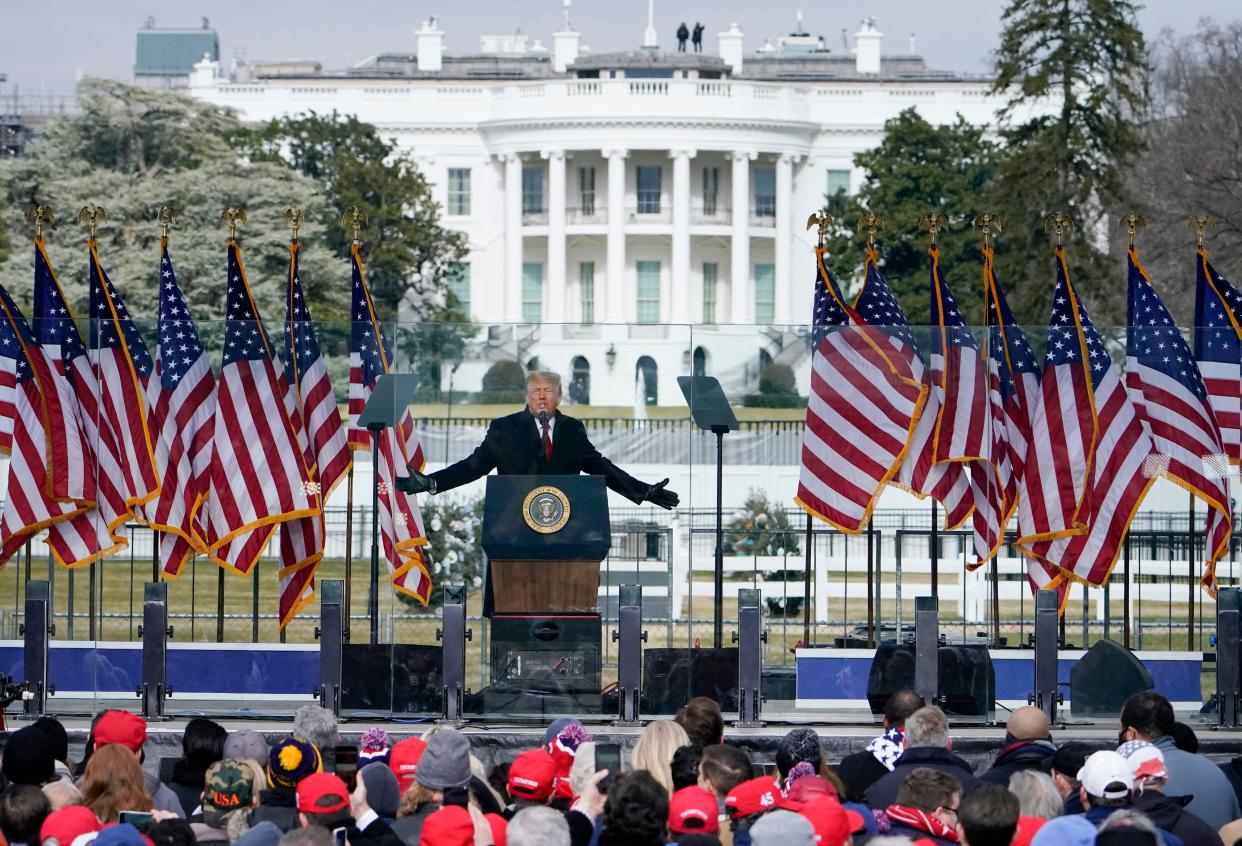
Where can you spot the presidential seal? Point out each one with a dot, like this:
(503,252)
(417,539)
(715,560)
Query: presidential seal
(546,509)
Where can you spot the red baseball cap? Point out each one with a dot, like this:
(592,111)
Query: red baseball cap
(499,826)
(833,824)
(752,797)
(692,810)
(122,727)
(322,793)
(532,775)
(403,760)
(69,823)
(449,826)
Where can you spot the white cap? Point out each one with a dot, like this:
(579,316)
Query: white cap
(1103,769)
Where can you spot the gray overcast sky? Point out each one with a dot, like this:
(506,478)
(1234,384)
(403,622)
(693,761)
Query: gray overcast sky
(46,45)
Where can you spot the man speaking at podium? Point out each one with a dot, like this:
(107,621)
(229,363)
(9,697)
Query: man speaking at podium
(538,440)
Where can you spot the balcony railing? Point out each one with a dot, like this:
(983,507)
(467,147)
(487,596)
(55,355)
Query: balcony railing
(597,213)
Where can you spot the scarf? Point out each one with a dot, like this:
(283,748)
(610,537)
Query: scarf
(920,821)
(887,748)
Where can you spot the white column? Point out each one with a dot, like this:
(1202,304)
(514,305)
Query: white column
(513,238)
(784,238)
(556,291)
(614,283)
(741,298)
(681,236)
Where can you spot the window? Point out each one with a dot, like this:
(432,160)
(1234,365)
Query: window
(532,292)
(459,191)
(648,292)
(711,189)
(586,189)
(646,375)
(709,292)
(457,279)
(586,290)
(838,182)
(648,189)
(532,190)
(765,293)
(765,192)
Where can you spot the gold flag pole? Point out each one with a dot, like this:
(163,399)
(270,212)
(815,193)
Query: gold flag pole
(167,220)
(1199,224)
(871,223)
(354,220)
(987,223)
(1132,223)
(38,216)
(932,223)
(92,214)
(1059,223)
(293,219)
(823,220)
(232,216)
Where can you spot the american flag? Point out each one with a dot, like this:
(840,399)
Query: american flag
(1015,389)
(92,535)
(1167,391)
(183,406)
(1063,426)
(35,421)
(1218,349)
(259,476)
(401,525)
(122,367)
(1119,466)
(321,433)
(866,395)
(946,481)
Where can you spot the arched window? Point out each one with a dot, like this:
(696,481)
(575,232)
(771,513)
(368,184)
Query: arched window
(645,374)
(532,365)
(580,382)
(700,361)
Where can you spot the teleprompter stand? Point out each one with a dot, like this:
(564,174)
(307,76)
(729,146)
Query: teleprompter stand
(393,392)
(711,412)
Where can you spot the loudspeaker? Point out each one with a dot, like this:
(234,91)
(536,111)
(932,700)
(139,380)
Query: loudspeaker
(672,677)
(401,678)
(967,680)
(561,652)
(1103,679)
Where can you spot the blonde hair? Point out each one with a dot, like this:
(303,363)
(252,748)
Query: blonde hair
(655,748)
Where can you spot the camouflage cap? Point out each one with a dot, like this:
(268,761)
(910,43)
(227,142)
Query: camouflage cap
(229,786)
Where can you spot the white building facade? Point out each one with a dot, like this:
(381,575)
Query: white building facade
(643,204)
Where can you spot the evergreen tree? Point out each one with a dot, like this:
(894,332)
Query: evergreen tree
(133,150)
(1088,58)
(919,168)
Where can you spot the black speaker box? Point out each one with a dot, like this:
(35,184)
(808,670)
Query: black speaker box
(557,652)
(1103,679)
(967,678)
(403,678)
(672,677)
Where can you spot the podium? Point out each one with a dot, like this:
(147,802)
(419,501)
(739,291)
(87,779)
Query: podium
(545,537)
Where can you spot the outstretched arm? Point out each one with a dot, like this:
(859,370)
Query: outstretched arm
(625,484)
(474,466)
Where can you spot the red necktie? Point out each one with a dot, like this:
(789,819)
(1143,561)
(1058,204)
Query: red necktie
(547,443)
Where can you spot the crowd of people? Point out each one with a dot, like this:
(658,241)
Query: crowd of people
(682,783)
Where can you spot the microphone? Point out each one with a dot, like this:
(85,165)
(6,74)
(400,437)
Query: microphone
(543,418)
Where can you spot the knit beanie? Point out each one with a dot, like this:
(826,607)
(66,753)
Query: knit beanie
(445,762)
(56,733)
(373,746)
(28,757)
(564,748)
(383,794)
(291,760)
(801,744)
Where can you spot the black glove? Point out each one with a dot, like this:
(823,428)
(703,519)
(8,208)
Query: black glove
(415,483)
(658,495)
